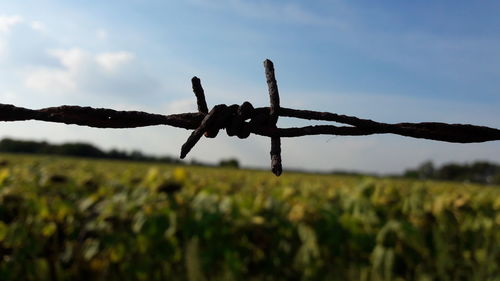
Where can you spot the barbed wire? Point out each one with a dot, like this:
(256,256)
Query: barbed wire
(243,120)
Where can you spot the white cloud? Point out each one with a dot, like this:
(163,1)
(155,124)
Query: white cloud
(51,80)
(70,58)
(75,63)
(81,76)
(8,97)
(3,47)
(181,106)
(101,34)
(56,80)
(37,25)
(112,61)
(6,22)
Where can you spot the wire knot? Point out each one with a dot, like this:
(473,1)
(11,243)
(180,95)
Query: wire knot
(237,120)
(234,118)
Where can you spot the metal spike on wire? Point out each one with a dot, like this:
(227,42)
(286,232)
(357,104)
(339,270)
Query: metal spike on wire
(274,100)
(243,120)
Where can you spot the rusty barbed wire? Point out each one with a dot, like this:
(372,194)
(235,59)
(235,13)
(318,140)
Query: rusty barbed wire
(243,120)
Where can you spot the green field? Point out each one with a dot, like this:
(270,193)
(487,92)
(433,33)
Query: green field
(74,219)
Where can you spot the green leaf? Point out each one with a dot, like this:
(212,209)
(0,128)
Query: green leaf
(3,230)
(49,229)
(90,249)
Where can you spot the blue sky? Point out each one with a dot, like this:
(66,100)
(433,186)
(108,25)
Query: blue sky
(384,60)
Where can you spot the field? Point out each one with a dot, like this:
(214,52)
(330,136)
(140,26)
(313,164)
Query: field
(73,219)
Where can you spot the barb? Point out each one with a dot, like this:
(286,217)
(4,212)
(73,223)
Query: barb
(243,120)
(274,109)
(200,95)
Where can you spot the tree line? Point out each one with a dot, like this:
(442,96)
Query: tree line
(81,149)
(478,172)
(78,149)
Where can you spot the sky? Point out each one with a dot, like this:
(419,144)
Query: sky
(390,61)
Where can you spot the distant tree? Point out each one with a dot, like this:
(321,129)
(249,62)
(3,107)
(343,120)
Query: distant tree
(20,146)
(424,171)
(136,155)
(231,163)
(79,149)
(196,162)
(117,154)
(452,172)
(483,172)
(478,172)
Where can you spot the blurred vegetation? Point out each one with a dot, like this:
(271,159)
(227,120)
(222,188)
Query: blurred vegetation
(229,163)
(478,172)
(67,219)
